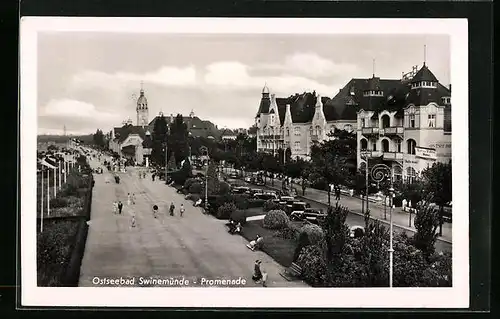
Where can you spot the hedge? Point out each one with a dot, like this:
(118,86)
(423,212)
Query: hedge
(225,211)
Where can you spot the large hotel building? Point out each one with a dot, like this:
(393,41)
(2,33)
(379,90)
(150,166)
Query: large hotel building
(403,123)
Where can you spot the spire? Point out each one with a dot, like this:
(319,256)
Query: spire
(265,89)
(142,87)
(373,67)
(425,53)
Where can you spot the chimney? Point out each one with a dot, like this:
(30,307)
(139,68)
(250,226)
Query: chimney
(449,86)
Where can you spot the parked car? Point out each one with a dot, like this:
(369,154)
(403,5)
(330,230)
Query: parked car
(265,196)
(311,214)
(240,190)
(296,207)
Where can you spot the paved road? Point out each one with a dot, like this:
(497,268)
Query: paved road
(357,219)
(193,247)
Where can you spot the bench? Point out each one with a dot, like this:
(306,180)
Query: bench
(292,272)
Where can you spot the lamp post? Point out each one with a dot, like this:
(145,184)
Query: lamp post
(378,173)
(204,149)
(166,163)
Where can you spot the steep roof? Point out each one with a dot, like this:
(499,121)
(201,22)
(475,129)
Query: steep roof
(302,107)
(265,102)
(127,130)
(424,74)
(194,124)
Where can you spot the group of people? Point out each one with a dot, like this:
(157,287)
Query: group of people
(234,227)
(171,210)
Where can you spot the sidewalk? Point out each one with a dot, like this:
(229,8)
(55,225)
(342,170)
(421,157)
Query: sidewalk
(399,217)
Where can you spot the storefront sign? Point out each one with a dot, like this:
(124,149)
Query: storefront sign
(411,161)
(427,153)
(442,148)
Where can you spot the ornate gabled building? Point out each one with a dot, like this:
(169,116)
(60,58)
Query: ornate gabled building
(296,122)
(403,123)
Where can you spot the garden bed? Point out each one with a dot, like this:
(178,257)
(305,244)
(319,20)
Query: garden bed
(280,249)
(54,249)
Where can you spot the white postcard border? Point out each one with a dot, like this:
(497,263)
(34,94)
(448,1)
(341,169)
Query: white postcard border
(455,297)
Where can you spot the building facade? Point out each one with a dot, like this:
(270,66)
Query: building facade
(196,126)
(133,141)
(403,123)
(296,122)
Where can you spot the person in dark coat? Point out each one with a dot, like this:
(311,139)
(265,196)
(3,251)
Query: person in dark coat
(257,274)
(172,208)
(120,207)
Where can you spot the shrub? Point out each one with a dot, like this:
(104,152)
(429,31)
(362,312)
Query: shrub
(195,188)
(239,216)
(225,211)
(67,190)
(291,232)
(193,197)
(313,232)
(276,219)
(312,262)
(58,202)
(270,205)
(189,182)
(256,203)
(240,200)
(224,188)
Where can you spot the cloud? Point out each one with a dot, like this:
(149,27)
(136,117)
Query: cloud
(311,65)
(73,108)
(232,75)
(164,76)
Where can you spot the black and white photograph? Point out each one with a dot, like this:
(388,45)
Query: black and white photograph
(299,162)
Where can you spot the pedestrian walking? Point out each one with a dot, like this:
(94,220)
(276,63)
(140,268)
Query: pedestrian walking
(257,274)
(182,209)
(264,277)
(132,221)
(172,208)
(133,198)
(129,199)
(120,207)
(153,177)
(155,211)
(115,207)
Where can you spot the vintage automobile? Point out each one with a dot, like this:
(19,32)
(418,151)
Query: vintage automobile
(310,214)
(296,207)
(265,196)
(240,190)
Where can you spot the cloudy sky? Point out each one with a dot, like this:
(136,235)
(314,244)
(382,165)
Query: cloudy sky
(88,80)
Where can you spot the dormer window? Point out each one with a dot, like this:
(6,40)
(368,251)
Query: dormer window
(373,93)
(424,84)
(446,100)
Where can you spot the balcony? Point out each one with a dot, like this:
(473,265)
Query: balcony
(395,130)
(393,156)
(370,131)
(370,154)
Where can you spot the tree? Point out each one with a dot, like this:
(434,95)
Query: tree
(334,160)
(426,223)
(98,138)
(179,139)
(213,180)
(158,139)
(438,184)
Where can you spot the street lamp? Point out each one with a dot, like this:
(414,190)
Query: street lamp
(204,149)
(380,172)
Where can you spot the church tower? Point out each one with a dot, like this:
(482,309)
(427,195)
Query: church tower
(142,109)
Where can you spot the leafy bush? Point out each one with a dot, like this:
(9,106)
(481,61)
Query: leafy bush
(195,188)
(67,190)
(189,182)
(312,262)
(224,188)
(276,219)
(193,197)
(256,203)
(239,216)
(291,232)
(225,211)
(313,232)
(270,205)
(66,211)
(58,202)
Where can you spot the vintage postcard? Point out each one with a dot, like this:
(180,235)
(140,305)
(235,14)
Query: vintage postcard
(278,163)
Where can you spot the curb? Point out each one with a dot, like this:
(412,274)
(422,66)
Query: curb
(371,217)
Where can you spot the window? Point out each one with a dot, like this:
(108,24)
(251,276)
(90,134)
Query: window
(411,175)
(412,120)
(287,131)
(318,130)
(364,144)
(398,146)
(432,120)
(296,131)
(411,144)
(363,122)
(297,146)
(374,147)
(385,145)
(385,121)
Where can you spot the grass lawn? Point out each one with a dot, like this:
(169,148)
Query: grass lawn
(254,212)
(280,249)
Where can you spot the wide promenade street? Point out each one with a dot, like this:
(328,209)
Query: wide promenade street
(194,247)
(319,199)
